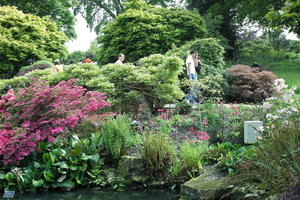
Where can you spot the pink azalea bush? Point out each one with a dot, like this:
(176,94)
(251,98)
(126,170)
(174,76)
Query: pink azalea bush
(41,112)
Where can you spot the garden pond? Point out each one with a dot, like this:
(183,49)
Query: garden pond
(88,194)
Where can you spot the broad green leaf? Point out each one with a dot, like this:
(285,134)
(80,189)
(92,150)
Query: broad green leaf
(49,176)
(38,183)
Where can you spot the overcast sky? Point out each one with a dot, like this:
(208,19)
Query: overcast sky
(85,36)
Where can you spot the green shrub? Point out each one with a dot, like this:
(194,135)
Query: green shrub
(264,52)
(6,70)
(224,123)
(216,152)
(117,137)
(154,81)
(26,37)
(210,54)
(210,87)
(191,155)
(157,152)
(230,162)
(39,65)
(143,30)
(183,108)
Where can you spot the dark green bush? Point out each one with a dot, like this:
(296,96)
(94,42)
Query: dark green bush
(183,108)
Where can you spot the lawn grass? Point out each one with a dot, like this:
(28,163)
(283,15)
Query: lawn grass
(289,70)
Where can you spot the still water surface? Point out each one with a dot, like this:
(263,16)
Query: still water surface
(101,195)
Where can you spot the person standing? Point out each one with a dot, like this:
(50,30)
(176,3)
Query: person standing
(57,66)
(87,60)
(197,63)
(190,66)
(121,59)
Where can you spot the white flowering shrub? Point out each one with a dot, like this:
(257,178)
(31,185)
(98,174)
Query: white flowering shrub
(282,107)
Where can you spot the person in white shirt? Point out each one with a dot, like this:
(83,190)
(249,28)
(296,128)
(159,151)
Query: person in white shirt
(121,59)
(190,66)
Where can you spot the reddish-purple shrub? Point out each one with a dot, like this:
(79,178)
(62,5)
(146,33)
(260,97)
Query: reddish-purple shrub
(248,84)
(40,112)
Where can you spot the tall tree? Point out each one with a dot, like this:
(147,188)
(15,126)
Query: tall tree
(288,16)
(25,38)
(57,10)
(143,30)
(99,12)
(226,10)
(258,8)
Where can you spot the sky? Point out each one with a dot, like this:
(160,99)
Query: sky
(85,36)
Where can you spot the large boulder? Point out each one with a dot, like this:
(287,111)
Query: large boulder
(210,185)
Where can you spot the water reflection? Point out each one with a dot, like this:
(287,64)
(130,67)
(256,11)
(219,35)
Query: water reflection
(101,195)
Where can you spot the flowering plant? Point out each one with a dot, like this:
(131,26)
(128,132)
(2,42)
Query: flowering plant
(199,135)
(282,107)
(40,112)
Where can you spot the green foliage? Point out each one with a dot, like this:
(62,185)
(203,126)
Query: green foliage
(148,30)
(231,161)
(215,153)
(210,88)
(39,65)
(209,50)
(154,81)
(183,108)
(66,163)
(273,165)
(57,10)
(263,51)
(287,16)
(157,152)
(190,154)
(74,57)
(224,123)
(98,12)
(26,37)
(88,75)
(222,19)
(117,137)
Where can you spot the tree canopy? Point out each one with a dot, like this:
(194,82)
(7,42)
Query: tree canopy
(99,12)
(288,16)
(57,10)
(143,30)
(25,38)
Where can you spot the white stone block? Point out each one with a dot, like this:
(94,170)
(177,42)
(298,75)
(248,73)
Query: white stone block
(251,131)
